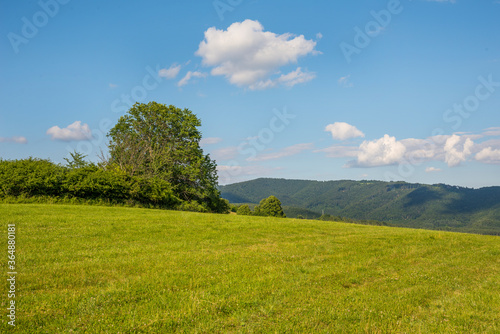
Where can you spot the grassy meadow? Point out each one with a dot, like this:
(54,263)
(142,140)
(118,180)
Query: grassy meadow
(90,269)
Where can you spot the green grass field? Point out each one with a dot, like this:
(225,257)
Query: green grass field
(89,269)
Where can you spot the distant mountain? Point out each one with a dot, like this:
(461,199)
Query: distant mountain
(403,204)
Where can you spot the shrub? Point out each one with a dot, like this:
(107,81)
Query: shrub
(244,210)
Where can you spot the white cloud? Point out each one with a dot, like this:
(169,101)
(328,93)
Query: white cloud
(432,170)
(296,77)
(112,86)
(184,81)
(492,132)
(225,153)
(489,155)
(451,149)
(169,73)
(74,131)
(345,81)
(319,35)
(420,150)
(15,139)
(235,173)
(343,131)
(338,151)
(248,56)
(493,143)
(210,141)
(289,80)
(453,157)
(381,152)
(286,152)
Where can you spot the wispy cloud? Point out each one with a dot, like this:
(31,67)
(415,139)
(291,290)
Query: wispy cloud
(346,82)
(74,131)
(286,152)
(432,170)
(189,75)
(296,77)
(492,132)
(169,73)
(231,174)
(210,140)
(225,153)
(291,79)
(14,139)
(339,151)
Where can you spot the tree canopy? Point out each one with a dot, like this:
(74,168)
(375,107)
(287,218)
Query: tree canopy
(270,206)
(158,141)
(155,160)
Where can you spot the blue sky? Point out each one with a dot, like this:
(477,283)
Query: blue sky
(385,90)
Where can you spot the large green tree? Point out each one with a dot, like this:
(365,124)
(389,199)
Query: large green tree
(158,141)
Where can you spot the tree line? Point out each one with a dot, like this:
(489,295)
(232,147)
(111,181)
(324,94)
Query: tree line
(154,160)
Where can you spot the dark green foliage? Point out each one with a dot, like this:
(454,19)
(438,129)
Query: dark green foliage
(295,212)
(158,141)
(438,206)
(30,177)
(155,161)
(92,183)
(270,207)
(36,178)
(244,210)
(153,190)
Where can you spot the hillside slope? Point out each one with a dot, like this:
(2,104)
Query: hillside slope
(89,269)
(403,204)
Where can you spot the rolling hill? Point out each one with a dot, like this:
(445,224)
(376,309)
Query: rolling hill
(438,206)
(91,269)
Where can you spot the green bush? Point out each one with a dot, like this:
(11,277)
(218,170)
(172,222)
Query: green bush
(30,177)
(244,210)
(155,190)
(36,181)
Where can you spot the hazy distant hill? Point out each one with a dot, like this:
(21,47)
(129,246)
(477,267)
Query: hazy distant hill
(403,204)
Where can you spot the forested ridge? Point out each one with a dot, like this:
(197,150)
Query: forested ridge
(437,206)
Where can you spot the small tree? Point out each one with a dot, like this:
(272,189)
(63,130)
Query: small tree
(270,206)
(77,160)
(244,210)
